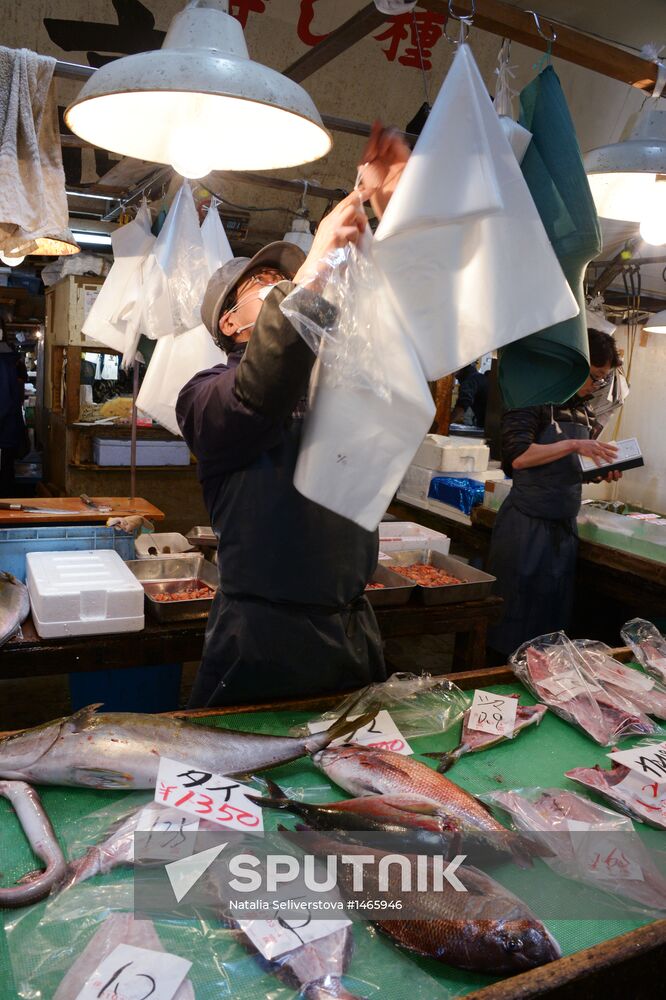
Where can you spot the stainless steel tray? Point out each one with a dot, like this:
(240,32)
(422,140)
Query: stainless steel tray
(170,574)
(396,590)
(475,586)
(202,536)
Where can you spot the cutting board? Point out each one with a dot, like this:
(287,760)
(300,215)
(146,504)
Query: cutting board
(80,514)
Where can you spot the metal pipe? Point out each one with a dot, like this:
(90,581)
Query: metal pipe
(135,393)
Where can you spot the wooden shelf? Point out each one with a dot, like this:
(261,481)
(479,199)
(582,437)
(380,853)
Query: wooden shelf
(93,467)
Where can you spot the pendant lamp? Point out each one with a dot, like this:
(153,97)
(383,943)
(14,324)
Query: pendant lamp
(656,323)
(628,179)
(199,103)
(53,245)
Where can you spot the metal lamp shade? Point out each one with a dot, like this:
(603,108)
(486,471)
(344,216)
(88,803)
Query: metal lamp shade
(657,323)
(200,101)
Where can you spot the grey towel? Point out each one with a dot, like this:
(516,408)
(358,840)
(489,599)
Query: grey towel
(32,180)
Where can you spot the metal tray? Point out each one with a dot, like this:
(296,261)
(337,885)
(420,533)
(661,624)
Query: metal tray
(162,574)
(476,584)
(397,589)
(202,536)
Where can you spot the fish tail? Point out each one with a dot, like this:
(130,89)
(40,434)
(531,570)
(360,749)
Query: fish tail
(276,798)
(341,726)
(446,759)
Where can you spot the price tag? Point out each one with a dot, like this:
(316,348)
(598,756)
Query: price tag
(276,937)
(381,733)
(130,972)
(647,796)
(648,761)
(167,828)
(565,687)
(493,713)
(206,796)
(602,858)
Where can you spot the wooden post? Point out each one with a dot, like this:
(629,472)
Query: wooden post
(443,400)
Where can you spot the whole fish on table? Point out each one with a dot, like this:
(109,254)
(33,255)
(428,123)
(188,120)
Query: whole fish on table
(607,783)
(122,749)
(370,771)
(485,929)
(472,740)
(42,839)
(14,605)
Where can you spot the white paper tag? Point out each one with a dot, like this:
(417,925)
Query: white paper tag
(207,796)
(276,937)
(167,828)
(565,686)
(493,713)
(648,795)
(602,857)
(130,972)
(648,761)
(381,733)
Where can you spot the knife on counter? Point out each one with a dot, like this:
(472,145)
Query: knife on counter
(24,508)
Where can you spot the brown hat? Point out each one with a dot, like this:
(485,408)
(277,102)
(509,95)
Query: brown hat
(283,256)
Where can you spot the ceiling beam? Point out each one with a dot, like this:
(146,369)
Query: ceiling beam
(507,21)
(337,42)
(278,183)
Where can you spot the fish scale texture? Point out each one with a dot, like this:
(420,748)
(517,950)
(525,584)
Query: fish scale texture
(538,757)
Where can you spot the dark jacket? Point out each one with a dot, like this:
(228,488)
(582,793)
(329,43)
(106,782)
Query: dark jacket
(523,427)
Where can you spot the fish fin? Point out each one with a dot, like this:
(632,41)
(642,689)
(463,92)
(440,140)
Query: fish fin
(79,720)
(98,777)
(446,759)
(276,799)
(341,726)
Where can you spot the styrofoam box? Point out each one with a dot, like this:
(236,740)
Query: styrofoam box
(112,451)
(396,536)
(83,593)
(416,482)
(455,453)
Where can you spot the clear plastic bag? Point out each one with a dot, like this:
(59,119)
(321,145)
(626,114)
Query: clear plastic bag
(645,693)
(648,646)
(586,842)
(337,317)
(554,670)
(419,704)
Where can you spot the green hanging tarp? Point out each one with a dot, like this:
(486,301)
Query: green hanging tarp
(550,365)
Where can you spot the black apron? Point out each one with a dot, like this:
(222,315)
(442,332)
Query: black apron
(290,619)
(534,545)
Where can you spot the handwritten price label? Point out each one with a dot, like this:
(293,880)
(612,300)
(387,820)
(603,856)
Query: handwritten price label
(602,857)
(207,796)
(493,713)
(131,973)
(647,795)
(648,761)
(276,937)
(167,828)
(381,733)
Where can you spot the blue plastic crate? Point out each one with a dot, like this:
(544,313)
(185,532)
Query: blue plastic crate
(15,543)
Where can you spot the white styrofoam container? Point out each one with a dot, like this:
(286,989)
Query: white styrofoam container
(397,536)
(83,593)
(416,482)
(496,493)
(458,454)
(112,451)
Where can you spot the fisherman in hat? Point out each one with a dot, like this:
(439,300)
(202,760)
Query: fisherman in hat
(290,618)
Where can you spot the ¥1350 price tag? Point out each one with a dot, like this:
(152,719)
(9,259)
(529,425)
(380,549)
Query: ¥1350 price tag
(648,761)
(382,733)
(276,937)
(129,973)
(493,713)
(207,796)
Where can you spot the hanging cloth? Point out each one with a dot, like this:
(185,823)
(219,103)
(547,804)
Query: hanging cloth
(469,265)
(552,364)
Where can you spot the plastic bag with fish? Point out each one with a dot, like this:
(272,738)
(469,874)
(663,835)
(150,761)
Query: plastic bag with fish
(644,799)
(553,669)
(648,646)
(644,692)
(588,843)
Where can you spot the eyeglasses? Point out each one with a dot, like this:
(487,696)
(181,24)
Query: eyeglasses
(603,380)
(266,278)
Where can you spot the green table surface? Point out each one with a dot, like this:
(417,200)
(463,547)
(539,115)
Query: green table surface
(538,757)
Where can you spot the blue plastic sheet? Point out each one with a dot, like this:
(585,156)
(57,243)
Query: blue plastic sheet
(461,493)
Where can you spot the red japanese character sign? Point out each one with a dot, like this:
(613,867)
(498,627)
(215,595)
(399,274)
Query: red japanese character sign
(420,29)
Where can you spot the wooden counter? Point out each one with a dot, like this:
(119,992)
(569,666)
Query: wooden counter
(78,513)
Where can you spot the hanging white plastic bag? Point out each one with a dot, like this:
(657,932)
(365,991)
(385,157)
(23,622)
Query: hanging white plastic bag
(337,317)
(469,265)
(177,281)
(174,362)
(357,444)
(215,242)
(122,289)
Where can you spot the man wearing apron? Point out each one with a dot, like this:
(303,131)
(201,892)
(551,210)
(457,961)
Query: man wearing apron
(534,543)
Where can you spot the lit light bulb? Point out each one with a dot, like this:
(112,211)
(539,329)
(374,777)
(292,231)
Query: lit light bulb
(653,221)
(11,261)
(190,151)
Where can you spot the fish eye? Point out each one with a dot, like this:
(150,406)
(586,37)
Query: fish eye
(513,944)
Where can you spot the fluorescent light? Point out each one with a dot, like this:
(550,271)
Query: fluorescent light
(96,239)
(94,197)
(657,323)
(199,103)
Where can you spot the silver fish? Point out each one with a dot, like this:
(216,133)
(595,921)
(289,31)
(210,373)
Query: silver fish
(14,605)
(122,749)
(37,828)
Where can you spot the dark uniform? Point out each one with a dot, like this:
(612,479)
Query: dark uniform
(291,618)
